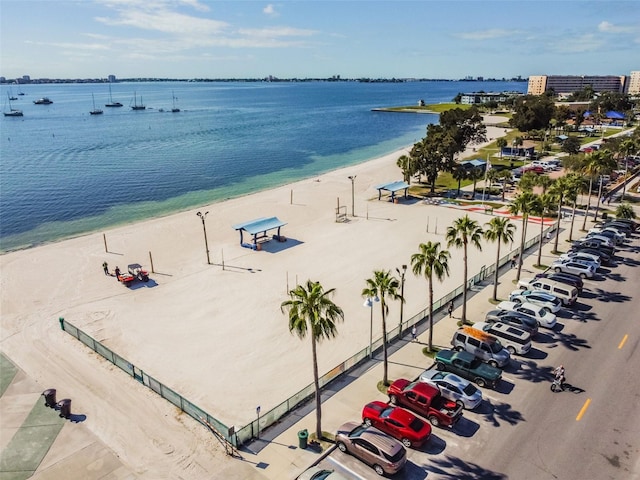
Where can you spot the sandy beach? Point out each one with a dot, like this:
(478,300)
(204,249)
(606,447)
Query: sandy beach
(215,335)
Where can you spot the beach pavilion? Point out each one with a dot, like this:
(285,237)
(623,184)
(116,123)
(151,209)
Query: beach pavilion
(392,187)
(258,228)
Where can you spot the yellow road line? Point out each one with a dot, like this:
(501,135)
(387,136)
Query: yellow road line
(583,409)
(624,339)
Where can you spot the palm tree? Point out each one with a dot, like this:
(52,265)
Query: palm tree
(459,173)
(432,261)
(523,203)
(577,185)
(407,165)
(625,210)
(383,285)
(312,312)
(501,143)
(627,147)
(545,205)
(500,230)
(559,189)
(475,174)
(528,181)
(460,234)
(600,163)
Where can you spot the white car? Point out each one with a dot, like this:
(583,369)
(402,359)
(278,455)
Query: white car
(315,473)
(616,237)
(622,236)
(544,318)
(542,299)
(454,388)
(608,242)
(577,268)
(578,255)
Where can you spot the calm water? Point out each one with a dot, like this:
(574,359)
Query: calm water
(65,172)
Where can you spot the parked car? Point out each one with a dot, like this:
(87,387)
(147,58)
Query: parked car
(426,401)
(483,346)
(514,339)
(581,255)
(566,278)
(606,241)
(545,300)
(517,319)
(606,247)
(453,387)
(577,268)
(566,293)
(619,226)
(544,318)
(615,237)
(620,235)
(467,366)
(397,422)
(315,473)
(604,257)
(626,221)
(368,444)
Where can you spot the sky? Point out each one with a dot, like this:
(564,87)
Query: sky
(317,39)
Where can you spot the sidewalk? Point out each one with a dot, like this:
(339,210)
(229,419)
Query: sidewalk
(280,458)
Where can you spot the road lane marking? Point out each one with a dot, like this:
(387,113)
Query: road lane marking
(624,339)
(583,409)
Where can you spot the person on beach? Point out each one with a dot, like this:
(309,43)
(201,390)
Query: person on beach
(105,267)
(117,271)
(450,308)
(414,333)
(513,261)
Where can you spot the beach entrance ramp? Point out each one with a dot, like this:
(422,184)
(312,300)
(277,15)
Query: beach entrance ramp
(258,229)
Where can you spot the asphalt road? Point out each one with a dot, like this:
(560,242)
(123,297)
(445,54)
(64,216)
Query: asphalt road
(523,430)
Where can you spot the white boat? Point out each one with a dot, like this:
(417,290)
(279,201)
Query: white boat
(43,101)
(111,102)
(174,109)
(12,112)
(95,111)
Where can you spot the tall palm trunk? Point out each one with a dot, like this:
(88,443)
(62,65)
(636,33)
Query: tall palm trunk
(316,382)
(586,213)
(495,277)
(430,313)
(541,239)
(522,237)
(573,218)
(385,378)
(559,217)
(595,214)
(464,290)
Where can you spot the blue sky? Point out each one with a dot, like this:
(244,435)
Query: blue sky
(309,38)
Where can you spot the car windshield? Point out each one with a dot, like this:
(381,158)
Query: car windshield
(416,425)
(394,458)
(540,312)
(470,389)
(386,412)
(496,346)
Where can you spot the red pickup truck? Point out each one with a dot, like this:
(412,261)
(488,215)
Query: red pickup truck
(426,401)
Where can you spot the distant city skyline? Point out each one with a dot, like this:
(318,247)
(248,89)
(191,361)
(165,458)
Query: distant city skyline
(316,39)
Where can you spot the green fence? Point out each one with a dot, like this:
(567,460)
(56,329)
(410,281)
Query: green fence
(249,431)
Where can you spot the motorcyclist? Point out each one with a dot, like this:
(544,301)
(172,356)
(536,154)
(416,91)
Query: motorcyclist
(559,374)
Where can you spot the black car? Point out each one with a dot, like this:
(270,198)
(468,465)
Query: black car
(592,243)
(516,319)
(632,224)
(566,278)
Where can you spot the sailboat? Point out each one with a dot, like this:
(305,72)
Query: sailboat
(20,92)
(95,111)
(174,109)
(11,97)
(111,102)
(12,111)
(135,105)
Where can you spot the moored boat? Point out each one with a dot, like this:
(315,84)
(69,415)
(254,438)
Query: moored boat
(95,111)
(43,101)
(136,105)
(111,102)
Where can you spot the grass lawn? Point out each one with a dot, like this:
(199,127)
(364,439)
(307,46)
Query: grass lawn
(434,108)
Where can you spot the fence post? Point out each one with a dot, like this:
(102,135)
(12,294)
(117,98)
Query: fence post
(61,320)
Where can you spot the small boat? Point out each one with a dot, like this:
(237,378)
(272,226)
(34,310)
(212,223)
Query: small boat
(174,109)
(111,102)
(12,112)
(11,97)
(95,111)
(136,105)
(43,101)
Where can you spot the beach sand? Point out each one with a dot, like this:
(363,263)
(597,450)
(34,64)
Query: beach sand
(216,336)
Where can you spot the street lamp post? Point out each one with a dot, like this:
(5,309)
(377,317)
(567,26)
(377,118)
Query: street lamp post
(401,273)
(369,303)
(258,422)
(204,228)
(353,179)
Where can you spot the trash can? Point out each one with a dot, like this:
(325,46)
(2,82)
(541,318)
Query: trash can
(49,397)
(605,215)
(303,436)
(65,407)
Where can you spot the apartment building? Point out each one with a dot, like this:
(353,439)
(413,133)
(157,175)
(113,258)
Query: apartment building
(567,84)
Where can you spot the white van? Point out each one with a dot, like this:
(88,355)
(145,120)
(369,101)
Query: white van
(484,346)
(564,292)
(512,338)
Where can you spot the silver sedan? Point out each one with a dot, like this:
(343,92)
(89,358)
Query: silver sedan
(453,388)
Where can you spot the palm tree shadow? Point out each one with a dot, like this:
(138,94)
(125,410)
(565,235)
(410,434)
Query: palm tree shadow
(454,468)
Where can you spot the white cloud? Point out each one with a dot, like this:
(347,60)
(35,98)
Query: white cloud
(487,34)
(611,28)
(580,44)
(271,32)
(270,10)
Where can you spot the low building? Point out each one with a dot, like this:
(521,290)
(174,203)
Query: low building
(478,98)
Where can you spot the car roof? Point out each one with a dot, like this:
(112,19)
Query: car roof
(374,436)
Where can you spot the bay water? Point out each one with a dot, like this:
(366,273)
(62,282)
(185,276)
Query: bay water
(64,172)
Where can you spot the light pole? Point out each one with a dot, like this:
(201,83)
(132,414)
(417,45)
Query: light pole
(204,228)
(258,422)
(404,270)
(353,179)
(369,303)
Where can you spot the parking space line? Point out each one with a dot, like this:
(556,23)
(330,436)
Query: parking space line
(624,339)
(583,410)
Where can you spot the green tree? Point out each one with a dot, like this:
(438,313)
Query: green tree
(460,234)
(384,286)
(475,174)
(500,230)
(459,173)
(505,176)
(599,163)
(532,112)
(626,148)
(407,164)
(561,189)
(431,261)
(625,210)
(525,204)
(528,181)
(571,145)
(501,143)
(311,312)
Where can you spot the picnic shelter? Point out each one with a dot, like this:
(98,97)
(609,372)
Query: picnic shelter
(392,187)
(258,229)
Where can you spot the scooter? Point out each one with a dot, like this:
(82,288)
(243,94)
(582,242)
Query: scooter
(558,384)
